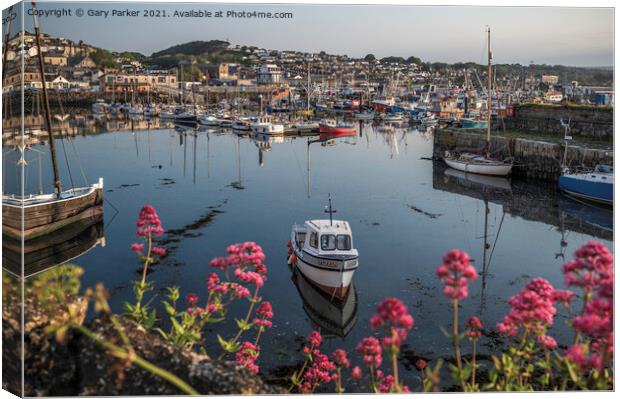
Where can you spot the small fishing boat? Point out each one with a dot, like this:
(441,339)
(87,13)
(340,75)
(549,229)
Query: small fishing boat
(150,111)
(100,107)
(392,118)
(471,123)
(208,120)
(323,252)
(596,185)
(364,115)
(241,124)
(308,126)
(186,118)
(264,126)
(333,127)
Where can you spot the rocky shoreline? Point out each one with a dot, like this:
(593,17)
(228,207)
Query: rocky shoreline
(77,366)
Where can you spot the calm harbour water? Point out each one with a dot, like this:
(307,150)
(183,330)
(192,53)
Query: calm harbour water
(215,188)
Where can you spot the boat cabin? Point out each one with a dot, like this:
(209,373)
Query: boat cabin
(320,237)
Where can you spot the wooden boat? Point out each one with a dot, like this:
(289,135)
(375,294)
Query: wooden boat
(46,213)
(33,216)
(323,252)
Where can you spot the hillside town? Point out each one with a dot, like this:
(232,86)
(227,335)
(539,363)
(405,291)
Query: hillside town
(78,66)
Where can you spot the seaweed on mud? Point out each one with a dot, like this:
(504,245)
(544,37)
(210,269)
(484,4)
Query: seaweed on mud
(236,185)
(166,181)
(429,214)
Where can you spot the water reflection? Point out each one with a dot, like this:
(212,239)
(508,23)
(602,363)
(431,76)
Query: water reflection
(53,249)
(329,315)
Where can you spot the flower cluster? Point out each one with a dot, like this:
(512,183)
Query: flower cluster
(148,225)
(264,314)
(370,349)
(592,270)
(473,328)
(243,254)
(340,358)
(532,308)
(247,356)
(392,313)
(454,273)
(592,266)
(318,373)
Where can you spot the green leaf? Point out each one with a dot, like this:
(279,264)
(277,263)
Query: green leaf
(178,328)
(170,310)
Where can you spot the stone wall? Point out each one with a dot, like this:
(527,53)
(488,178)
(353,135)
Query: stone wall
(534,159)
(594,122)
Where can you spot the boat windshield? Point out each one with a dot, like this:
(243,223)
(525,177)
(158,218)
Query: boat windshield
(330,242)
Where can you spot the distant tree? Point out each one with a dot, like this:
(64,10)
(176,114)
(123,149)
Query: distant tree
(103,58)
(413,60)
(370,57)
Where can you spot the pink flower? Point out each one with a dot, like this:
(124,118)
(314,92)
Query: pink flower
(137,247)
(579,354)
(386,384)
(158,251)
(454,273)
(473,327)
(591,266)
(420,364)
(192,299)
(247,356)
(315,339)
(340,358)
(319,371)
(393,312)
(264,314)
(356,373)
(533,309)
(371,351)
(563,297)
(148,222)
(547,341)
(250,277)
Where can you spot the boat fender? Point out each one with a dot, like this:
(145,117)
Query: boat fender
(292,259)
(290,251)
(289,244)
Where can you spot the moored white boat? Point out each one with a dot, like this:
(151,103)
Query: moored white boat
(208,120)
(323,252)
(264,126)
(474,163)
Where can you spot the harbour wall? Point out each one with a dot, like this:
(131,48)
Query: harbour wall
(586,121)
(534,158)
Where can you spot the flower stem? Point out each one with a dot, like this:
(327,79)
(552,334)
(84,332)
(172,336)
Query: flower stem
(473,363)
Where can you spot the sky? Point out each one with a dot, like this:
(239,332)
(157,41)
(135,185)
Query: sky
(545,35)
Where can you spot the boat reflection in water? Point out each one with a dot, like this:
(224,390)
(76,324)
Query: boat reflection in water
(330,315)
(580,212)
(53,249)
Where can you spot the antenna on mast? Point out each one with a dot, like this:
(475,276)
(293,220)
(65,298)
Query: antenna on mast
(328,209)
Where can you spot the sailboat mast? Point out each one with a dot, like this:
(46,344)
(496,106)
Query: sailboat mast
(489,91)
(48,117)
(308,93)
